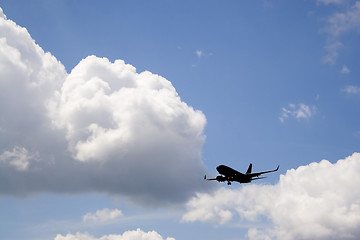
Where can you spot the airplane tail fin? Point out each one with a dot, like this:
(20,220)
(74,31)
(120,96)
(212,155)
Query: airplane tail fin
(249,169)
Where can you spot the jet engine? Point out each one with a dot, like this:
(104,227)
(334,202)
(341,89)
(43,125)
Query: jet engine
(221,178)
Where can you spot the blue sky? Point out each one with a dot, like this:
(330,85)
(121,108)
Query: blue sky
(234,82)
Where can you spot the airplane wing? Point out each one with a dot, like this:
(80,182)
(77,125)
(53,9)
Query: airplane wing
(218,178)
(259,173)
(205,178)
(258,178)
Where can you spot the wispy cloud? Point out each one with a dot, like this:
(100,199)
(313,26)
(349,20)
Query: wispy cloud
(332,50)
(327,2)
(345,70)
(353,90)
(199,53)
(345,21)
(299,111)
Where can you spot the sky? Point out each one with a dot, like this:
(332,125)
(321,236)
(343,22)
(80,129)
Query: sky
(112,112)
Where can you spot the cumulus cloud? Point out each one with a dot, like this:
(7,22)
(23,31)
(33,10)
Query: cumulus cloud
(317,201)
(103,127)
(107,109)
(28,78)
(299,111)
(128,235)
(103,215)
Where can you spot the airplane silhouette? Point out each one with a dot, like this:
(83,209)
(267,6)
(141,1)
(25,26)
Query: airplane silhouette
(230,175)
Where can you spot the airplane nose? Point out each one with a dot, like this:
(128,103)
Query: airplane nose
(218,168)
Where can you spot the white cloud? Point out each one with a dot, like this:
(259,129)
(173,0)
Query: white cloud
(299,111)
(343,22)
(199,53)
(345,70)
(332,50)
(317,201)
(338,24)
(327,2)
(255,234)
(19,158)
(108,108)
(104,126)
(354,90)
(128,235)
(28,79)
(103,215)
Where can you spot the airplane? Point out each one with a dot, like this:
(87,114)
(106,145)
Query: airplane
(230,175)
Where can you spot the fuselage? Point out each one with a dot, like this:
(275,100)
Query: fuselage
(232,175)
